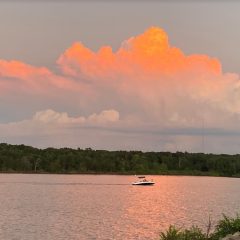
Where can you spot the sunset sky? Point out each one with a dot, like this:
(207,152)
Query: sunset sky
(130,75)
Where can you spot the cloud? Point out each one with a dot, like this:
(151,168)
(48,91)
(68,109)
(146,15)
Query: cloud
(156,80)
(106,130)
(51,116)
(49,123)
(148,53)
(153,86)
(104,116)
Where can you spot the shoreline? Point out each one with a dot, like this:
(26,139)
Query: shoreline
(117,174)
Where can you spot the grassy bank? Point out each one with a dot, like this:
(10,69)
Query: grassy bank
(225,226)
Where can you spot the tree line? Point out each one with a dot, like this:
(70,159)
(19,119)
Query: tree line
(21,158)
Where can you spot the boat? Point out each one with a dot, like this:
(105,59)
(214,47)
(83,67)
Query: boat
(142,181)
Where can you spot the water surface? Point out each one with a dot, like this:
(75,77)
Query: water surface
(108,207)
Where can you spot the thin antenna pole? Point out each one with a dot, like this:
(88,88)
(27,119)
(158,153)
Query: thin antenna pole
(203,135)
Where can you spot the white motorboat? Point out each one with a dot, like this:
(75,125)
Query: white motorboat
(142,181)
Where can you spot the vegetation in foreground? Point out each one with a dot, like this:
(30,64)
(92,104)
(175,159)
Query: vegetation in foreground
(224,227)
(21,158)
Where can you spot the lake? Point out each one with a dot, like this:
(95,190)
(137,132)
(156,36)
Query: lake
(45,206)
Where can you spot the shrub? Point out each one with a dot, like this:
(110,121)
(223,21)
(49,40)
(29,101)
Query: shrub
(226,226)
(194,233)
(171,234)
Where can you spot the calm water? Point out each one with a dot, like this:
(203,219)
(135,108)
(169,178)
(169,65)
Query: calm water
(107,207)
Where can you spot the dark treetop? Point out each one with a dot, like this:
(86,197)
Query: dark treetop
(21,158)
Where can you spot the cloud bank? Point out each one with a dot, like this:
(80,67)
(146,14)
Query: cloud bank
(159,98)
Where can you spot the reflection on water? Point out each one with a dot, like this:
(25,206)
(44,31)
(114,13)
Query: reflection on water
(108,207)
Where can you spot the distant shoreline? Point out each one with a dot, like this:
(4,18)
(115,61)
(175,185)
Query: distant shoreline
(117,174)
(29,160)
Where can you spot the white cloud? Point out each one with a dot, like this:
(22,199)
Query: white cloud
(50,116)
(104,116)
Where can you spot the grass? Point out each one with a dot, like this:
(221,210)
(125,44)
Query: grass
(225,226)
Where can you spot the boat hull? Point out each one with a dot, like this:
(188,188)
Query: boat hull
(143,183)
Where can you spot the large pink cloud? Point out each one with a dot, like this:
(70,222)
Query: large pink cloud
(149,52)
(147,83)
(151,77)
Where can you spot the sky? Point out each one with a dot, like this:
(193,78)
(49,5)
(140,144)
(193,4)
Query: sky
(130,75)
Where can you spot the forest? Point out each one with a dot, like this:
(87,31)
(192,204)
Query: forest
(27,159)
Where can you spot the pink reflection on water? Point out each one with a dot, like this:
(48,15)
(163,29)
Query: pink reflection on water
(109,207)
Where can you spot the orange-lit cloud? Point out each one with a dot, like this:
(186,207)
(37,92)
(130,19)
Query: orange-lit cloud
(149,52)
(147,81)
(168,85)
(18,74)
